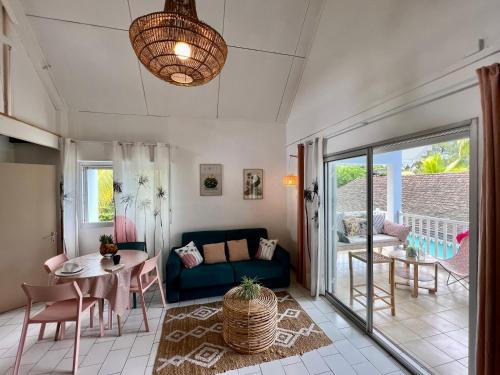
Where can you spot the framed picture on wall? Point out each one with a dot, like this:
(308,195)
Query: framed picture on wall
(253,183)
(210,180)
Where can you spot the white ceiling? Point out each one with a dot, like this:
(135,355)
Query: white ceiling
(87,47)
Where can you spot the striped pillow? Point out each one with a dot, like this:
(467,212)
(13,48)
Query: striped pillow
(190,255)
(266,249)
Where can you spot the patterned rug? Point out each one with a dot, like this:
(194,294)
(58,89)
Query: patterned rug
(192,343)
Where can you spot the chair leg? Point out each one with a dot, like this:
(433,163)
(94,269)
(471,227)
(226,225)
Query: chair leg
(161,293)
(63,331)
(101,317)
(20,348)
(58,331)
(144,311)
(42,332)
(134,298)
(110,317)
(91,323)
(76,352)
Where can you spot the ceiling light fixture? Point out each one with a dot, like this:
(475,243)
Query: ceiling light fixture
(176,46)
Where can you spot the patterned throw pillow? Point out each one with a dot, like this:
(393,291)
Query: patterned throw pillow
(396,230)
(190,255)
(352,226)
(378,223)
(266,249)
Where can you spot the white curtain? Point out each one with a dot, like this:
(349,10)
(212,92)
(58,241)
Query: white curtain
(141,193)
(69,206)
(316,217)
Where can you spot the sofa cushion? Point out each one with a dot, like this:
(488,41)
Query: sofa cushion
(206,275)
(238,250)
(259,269)
(252,236)
(214,253)
(203,238)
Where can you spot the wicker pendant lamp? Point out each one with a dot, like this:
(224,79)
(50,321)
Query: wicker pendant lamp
(176,46)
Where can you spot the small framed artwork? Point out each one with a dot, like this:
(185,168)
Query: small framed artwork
(253,183)
(210,180)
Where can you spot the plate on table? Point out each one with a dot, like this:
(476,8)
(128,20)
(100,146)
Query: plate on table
(61,273)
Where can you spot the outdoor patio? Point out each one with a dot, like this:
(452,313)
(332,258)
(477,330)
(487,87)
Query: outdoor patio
(433,328)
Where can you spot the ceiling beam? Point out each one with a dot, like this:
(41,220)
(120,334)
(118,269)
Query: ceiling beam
(29,41)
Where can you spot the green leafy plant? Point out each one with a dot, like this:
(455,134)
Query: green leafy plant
(106,239)
(249,288)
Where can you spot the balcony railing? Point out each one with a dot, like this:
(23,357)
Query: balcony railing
(434,235)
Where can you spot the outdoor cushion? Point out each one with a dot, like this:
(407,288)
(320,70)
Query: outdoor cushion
(206,275)
(259,269)
(252,236)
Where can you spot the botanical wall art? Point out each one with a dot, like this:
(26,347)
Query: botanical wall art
(253,183)
(210,179)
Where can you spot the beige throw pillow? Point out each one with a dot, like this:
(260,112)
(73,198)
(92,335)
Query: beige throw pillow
(214,253)
(238,250)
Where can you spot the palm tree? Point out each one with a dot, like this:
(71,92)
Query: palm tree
(156,212)
(142,181)
(161,194)
(145,205)
(117,189)
(126,200)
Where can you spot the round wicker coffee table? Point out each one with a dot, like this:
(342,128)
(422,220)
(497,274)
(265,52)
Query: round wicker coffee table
(250,326)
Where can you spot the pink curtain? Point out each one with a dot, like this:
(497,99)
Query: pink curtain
(488,327)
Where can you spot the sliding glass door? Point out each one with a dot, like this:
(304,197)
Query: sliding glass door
(401,244)
(347,190)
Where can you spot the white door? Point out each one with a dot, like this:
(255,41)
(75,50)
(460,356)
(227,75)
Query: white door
(28,225)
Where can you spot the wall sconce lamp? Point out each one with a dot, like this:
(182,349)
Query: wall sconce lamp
(290,179)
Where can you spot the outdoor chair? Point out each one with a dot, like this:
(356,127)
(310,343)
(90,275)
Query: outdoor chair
(458,265)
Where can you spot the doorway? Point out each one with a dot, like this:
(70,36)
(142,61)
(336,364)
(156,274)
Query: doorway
(401,244)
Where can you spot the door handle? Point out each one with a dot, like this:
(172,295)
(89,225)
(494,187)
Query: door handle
(52,236)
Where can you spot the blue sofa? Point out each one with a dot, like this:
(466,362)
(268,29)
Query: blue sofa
(208,280)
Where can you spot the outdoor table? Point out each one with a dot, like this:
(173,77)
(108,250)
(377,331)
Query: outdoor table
(418,277)
(96,282)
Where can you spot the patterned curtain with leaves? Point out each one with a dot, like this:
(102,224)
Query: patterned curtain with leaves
(141,194)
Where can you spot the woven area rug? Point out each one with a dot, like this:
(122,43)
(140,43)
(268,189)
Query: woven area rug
(192,343)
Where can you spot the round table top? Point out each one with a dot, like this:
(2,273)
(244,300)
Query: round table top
(401,255)
(94,264)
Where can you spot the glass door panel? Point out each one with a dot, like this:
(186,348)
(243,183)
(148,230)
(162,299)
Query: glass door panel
(423,188)
(346,186)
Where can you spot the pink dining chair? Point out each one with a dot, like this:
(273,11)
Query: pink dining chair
(146,276)
(65,303)
(51,265)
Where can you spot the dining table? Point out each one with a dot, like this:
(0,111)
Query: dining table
(98,279)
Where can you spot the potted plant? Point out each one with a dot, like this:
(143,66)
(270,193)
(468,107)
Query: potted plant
(107,248)
(249,289)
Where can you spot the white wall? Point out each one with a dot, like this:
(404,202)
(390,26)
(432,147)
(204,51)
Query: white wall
(30,101)
(366,52)
(236,145)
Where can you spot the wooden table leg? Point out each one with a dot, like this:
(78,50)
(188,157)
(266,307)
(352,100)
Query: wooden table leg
(415,280)
(350,279)
(432,291)
(392,288)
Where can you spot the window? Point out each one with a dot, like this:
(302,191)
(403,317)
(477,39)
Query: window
(97,192)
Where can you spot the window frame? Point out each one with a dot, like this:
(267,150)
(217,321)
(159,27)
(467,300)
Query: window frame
(83,168)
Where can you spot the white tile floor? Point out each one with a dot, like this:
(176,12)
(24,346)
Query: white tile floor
(433,328)
(135,351)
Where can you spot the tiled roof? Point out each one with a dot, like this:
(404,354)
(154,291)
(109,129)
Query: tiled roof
(443,195)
